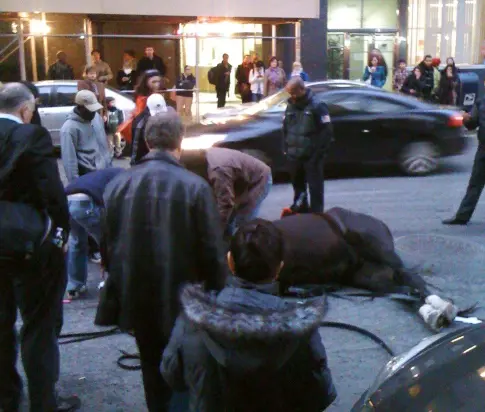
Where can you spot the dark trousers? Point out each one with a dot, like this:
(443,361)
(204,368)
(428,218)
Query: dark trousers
(151,344)
(221,97)
(247,95)
(36,289)
(308,173)
(475,186)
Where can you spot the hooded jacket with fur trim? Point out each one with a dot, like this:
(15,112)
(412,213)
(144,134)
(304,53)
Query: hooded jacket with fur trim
(248,350)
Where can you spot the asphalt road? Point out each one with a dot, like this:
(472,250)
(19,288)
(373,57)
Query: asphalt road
(410,206)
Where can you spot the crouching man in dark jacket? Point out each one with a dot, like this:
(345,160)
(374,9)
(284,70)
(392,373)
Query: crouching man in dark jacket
(307,134)
(248,349)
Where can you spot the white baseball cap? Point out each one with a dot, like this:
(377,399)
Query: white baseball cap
(156,104)
(89,100)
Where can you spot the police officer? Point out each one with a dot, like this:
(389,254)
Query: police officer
(307,134)
(477,178)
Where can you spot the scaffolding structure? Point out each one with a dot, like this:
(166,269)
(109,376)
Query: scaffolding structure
(21,38)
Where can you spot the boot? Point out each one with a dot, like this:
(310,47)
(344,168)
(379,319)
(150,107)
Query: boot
(432,317)
(455,222)
(446,308)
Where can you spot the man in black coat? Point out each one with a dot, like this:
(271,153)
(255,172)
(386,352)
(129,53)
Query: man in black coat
(223,80)
(248,349)
(308,133)
(151,62)
(29,175)
(162,230)
(477,178)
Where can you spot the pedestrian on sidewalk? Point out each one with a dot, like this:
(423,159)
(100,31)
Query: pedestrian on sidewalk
(243,86)
(103,72)
(477,178)
(299,72)
(162,231)
(155,104)
(256,79)
(115,118)
(32,273)
(84,149)
(222,80)
(149,82)
(185,95)
(307,134)
(127,75)
(60,70)
(274,78)
(92,84)
(85,200)
(247,349)
(400,75)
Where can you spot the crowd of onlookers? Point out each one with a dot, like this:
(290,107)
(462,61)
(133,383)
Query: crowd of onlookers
(425,81)
(253,80)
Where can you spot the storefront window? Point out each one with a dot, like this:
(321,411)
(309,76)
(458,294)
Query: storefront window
(212,48)
(344,14)
(362,14)
(443,28)
(379,14)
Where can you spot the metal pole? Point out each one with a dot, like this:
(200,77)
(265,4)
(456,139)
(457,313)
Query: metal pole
(46,49)
(197,80)
(273,40)
(23,72)
(298,41)
(33,54)
(87,41)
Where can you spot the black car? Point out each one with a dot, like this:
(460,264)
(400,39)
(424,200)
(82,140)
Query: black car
(371,126)
(444,373)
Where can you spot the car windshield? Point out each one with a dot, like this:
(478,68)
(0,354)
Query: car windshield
(276,102)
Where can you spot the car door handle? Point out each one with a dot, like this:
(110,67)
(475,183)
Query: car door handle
(365,131)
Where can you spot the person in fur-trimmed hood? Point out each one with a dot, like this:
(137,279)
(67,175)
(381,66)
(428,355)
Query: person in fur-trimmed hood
(247,349)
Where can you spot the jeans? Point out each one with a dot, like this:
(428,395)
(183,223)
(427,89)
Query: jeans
(238,219)
(257,97)
(35,288)
(85,220)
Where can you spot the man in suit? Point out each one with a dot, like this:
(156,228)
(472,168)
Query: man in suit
(35,286)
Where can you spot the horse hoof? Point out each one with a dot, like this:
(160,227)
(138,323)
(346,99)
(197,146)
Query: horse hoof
(433,317)
(449,310)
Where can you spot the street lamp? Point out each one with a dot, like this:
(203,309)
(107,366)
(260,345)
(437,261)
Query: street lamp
(39,27)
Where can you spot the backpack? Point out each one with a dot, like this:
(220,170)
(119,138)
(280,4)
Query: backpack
(113,122)
(211,76)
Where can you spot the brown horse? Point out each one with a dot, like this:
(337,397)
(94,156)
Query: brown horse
(353,249)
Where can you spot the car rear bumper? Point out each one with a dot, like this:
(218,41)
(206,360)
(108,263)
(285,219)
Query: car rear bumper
(453,142)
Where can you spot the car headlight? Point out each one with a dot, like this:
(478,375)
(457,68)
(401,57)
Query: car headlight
(204,141)
(398,362)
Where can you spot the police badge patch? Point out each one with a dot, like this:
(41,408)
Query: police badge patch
(325,119)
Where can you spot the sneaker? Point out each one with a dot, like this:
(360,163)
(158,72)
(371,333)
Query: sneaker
(76,293)
(446,308)
(95,257)
(433,317)
(67,404)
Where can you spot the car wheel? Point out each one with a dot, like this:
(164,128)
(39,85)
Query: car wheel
(258,154)
(419,158)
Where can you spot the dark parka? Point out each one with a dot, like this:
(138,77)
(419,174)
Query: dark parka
(249,350)
(162,230)
(307,129)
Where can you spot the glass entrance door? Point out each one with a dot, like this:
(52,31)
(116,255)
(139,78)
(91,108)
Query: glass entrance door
(359,47)
(348,54)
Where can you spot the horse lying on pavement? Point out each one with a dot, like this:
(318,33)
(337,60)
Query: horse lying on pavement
(353,249)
